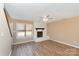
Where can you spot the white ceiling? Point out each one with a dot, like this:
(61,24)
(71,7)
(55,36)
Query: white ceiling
(33,11)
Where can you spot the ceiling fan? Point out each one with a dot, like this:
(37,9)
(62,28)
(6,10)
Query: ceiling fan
(46,18)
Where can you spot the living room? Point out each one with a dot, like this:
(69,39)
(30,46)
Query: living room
(39,29)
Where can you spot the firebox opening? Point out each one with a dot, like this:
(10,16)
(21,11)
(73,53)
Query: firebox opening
(39,34)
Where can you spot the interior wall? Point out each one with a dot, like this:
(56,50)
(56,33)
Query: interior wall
(13,22)
(5,38)
(66,31)
(22,21)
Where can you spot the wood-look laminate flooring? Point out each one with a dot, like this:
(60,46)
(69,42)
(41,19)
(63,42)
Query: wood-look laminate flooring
(45,48)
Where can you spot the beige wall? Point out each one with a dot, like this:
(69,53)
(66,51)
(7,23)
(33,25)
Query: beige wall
(66,31)
(5,38)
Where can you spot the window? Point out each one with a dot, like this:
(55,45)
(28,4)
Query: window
(28,33)
(23,30)
(20,26)
(20,34)
(29,26)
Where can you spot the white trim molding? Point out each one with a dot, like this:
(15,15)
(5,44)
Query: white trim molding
(10,52)
(22,42)
(65,43)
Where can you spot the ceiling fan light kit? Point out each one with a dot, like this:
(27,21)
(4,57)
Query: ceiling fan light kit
(45,19)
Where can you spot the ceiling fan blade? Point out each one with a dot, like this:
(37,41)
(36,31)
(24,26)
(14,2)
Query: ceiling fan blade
(47,15)
(50,18)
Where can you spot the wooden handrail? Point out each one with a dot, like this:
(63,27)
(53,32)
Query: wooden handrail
(7,22)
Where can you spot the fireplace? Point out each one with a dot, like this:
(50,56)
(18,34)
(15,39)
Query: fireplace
(39,34)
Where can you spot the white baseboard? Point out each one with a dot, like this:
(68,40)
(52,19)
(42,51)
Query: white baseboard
(22,42)
(65,43)
(10,52)
(40,40)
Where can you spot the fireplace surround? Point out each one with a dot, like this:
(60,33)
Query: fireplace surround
(38,28)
